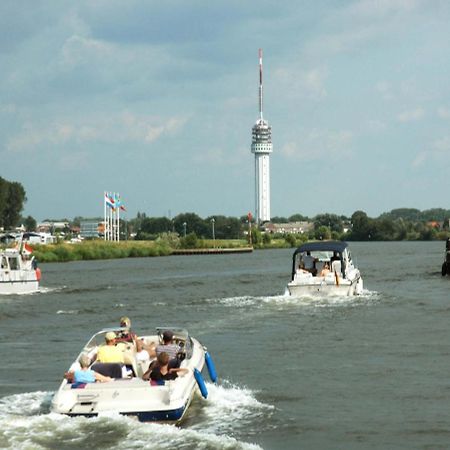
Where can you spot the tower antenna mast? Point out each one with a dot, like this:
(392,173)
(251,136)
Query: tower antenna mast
(260,85)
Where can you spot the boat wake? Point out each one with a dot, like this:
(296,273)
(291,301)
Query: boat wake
(25,422)
(286,300)
(230,408)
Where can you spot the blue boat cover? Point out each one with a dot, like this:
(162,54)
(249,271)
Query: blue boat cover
(322,246)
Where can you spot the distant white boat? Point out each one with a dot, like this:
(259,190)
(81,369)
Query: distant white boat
(166,401)
(19,273)
(324,267)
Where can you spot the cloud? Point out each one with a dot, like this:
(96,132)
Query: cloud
(319,144)
(305,84)
(364,22)
(439,150)
(412,115)
(443,113)
(78,50)
(385,89)
(124,127)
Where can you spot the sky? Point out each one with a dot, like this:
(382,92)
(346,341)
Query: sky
(156,100)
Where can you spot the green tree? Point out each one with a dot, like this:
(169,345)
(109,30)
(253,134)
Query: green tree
(155,225)
(298,218)
(322,232)
(194,224)
(361,226)
(12,198)
(30,223)
(290,239)
(279,219)
(190,241)
(332,221)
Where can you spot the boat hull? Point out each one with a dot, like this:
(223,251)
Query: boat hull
(320,287)
(18,273)
(27,285)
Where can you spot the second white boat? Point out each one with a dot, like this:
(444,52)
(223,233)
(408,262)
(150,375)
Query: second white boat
(324,268)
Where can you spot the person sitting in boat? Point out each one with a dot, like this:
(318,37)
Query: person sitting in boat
(109,353)
(86,375)
(167,346)
(126,335)
(142,354)
(309,263)
(335,257)
(161,371)
(325,270)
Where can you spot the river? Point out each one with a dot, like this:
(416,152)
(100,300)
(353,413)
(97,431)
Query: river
(369,372)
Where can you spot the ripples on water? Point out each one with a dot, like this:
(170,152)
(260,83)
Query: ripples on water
(310,372)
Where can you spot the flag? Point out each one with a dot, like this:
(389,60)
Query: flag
(118,203)
(109,201)
(27,248)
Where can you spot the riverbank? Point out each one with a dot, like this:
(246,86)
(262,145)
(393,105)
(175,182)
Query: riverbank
(92,250)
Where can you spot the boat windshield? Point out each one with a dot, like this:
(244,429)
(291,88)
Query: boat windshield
(99,338)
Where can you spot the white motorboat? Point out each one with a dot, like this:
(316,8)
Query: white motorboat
(324,267)
(19,273)
(131,395)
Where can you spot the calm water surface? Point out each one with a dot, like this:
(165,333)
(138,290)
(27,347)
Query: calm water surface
(371,372)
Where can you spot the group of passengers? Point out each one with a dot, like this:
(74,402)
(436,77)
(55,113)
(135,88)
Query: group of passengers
(164,367)
(308,264)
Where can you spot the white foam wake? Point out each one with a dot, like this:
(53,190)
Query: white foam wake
(230,407)
(26,423)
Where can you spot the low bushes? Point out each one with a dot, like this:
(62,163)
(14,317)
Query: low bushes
(89,250)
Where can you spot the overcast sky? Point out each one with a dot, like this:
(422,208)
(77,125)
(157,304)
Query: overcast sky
(156,100)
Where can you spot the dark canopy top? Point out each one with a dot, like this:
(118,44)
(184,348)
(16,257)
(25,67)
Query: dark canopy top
(322,246)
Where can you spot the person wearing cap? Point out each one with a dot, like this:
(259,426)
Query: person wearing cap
(109,353)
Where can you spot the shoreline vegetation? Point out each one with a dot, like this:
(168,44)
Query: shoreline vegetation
(99,249)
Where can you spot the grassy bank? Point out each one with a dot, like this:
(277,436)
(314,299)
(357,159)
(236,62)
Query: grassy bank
(90,250)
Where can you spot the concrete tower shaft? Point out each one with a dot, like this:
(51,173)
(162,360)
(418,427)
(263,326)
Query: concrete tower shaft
(262,147)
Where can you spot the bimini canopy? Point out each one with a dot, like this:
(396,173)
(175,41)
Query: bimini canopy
(322,246)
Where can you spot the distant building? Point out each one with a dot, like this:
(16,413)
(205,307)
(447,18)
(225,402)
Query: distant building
(50,227)
(91,229)
(288,228)
(39,238)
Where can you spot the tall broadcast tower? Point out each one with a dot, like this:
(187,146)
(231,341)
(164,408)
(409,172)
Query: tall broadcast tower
(262,148)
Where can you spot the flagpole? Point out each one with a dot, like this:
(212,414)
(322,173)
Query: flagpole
(111,220)
(118,220)
(104,215)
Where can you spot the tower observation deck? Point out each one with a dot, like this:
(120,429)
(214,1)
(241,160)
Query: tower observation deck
(262,148)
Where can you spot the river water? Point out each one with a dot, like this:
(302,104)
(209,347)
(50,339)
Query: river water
(370,372)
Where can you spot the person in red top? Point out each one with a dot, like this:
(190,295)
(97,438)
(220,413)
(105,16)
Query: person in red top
(126,335)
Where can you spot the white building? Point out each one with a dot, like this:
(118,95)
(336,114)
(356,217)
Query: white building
(262,148)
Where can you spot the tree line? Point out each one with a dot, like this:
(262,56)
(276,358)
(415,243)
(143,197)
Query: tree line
(12,199)
(398,224)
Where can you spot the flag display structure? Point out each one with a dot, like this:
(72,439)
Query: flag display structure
(112,207)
